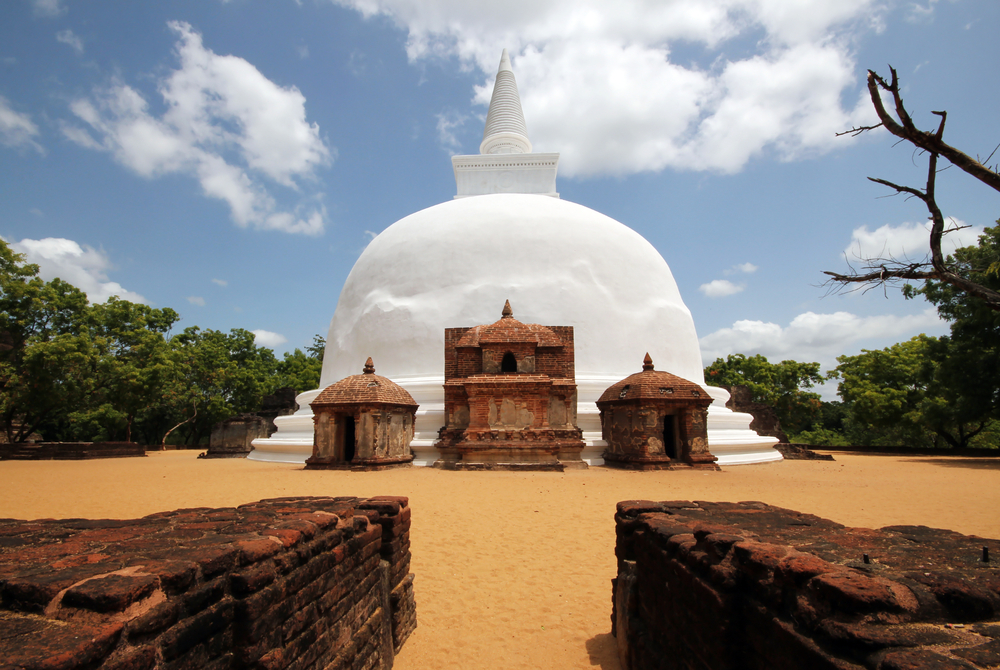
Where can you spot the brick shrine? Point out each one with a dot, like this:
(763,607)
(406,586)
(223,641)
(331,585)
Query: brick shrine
(510,397)
(654,420)
(363,422)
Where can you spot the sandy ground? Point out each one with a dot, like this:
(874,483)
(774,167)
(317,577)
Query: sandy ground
(514,570)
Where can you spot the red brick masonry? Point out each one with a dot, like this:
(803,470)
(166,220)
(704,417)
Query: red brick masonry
(284,583)
(68,451)
(747,585)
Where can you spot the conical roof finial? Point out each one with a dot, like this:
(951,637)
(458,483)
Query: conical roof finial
(369,367)
(507,311)
(505,131)
(647,363)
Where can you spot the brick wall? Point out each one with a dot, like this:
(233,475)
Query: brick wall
(747,585)
(68,451)
(284,583)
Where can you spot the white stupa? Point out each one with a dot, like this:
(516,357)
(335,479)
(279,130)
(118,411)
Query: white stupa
(508,236)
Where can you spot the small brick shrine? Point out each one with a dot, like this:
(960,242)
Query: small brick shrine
(654,420)
(510,397)
(363,422)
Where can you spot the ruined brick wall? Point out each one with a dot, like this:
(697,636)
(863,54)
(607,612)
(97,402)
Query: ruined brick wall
(69,451)
(746,585)
(765,420)
(283,583)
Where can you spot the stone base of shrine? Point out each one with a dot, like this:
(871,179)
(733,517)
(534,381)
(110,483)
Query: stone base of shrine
(658,462)
(511,455)
(360,465)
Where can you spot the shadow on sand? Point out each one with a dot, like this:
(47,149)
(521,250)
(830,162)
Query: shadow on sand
(603,650)
(979,463)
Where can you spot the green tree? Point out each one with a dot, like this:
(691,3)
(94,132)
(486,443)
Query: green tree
(900,396)
(779,385)
(47,358)
(971,368)
(301,371)
(215,376)
(134,366)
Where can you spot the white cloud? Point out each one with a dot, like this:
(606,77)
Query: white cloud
(48,7)
(744,268)
(220,282)
(225,124)
(83,267)
(921,13)
(303,51)
(196,300)
(811,336)
(67,37)
(719,288)
(600,83)
(17,130)
(265,338)
(908,241)
(447,124)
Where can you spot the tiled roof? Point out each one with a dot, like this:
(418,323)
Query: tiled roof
(509,329)
(651,383)
(367,387)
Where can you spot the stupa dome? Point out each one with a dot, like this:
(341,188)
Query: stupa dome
(558,262)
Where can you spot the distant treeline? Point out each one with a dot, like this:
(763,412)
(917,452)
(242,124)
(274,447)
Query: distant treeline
(74,371)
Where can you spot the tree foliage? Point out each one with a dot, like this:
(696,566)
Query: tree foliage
(901,395)
(780,385)
(114,371)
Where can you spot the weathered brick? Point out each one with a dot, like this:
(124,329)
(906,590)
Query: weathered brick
(796,595)
(203,596)
(155,619)
(30,641)
(252,579)
(195,630)
(136,658)
(234,595)
(110,593)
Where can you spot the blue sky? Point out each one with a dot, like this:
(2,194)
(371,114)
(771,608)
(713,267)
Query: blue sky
(232,159)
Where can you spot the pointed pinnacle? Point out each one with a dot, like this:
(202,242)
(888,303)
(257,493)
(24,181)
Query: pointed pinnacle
(647,363)
(369,367)
(507,311)
(504,62)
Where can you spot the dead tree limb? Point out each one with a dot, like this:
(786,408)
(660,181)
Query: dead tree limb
(881,271)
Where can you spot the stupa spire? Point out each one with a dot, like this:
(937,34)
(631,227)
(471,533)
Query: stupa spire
(369,367)
(505,131)
(507,311)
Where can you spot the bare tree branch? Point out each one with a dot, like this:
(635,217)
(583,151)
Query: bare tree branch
(880,271)
(930,142)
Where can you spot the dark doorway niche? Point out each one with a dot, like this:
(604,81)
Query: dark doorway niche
(670,436)
(509,363)
(349,439)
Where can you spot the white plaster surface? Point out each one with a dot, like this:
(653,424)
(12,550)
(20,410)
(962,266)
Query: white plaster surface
(558,263)
(506,173)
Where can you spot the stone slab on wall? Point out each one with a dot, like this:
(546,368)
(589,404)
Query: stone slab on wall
(282,583)
(720,586)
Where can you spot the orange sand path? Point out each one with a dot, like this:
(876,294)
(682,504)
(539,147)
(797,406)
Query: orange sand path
(514,570)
